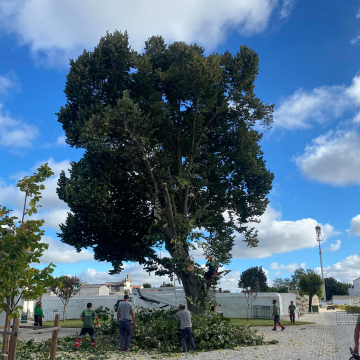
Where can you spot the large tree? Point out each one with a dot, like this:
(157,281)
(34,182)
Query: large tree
(250,278)
(334,287)
(171,140)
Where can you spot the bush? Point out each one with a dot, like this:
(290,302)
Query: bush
(354,309)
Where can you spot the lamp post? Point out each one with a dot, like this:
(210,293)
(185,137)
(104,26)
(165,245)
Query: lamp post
(319,239)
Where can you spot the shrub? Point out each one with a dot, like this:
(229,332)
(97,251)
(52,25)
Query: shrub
(354,309)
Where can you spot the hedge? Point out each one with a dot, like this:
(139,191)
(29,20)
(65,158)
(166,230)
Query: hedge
(354,309)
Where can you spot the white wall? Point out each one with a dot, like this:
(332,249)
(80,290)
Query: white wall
(235,305)
(77,304)
(89,290)
(356,283)
(286,298)
(341,301)
(104,290)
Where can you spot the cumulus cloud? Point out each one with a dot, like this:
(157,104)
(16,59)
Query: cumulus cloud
(322,104)
(15,134)
(335,246)
(60,30)
(290,268)
(332,158)
(279,236)
(345,270)
(136,272)
(53,210)
(9,81)
(60,253)
(355,225)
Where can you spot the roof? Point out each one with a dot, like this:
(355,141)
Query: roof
(121,283)
(136,287)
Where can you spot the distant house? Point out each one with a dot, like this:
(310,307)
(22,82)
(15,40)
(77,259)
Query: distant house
(356,289)
(93,289)
(119,287)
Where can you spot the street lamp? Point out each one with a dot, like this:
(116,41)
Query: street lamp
(319,239)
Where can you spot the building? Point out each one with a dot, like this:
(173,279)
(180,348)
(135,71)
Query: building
(120,287)
(93,289)
(356,289)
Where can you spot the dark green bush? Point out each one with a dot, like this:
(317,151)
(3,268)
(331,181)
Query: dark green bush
(354,309)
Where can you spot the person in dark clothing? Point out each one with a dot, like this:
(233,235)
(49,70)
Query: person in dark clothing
(212,269)
(276,315)
(36,314)
(87,317)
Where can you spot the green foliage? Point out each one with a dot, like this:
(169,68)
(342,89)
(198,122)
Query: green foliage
(250,278)
(280,290)
(334,287)
(226,291)
(172,143)
(311,284)
(354,309)
(67,287)
(147,286)
(20,247)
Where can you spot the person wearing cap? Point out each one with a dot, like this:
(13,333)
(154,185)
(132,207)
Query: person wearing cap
(276,315)
(185,327)
(211,264)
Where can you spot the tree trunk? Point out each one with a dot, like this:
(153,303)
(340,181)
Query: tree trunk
(248,311)
(64,313)
(6,338)
(192,289)
(310,302)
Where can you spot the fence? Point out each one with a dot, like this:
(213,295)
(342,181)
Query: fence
(49,315)
(343,318)
(261,312)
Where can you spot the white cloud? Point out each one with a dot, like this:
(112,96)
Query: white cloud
(9,81)
(322,104)
(53,210)
(345,270)
(279,236)
(290,268)
(60,30)
(303,265)
(15,134)
(286,8)
(59,252)
(136,272)
(61,141)
(334,247)
(355,40)
(332,158)
(355,225)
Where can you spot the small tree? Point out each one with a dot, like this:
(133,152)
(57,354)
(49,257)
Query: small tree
(147,286)
(311,284)
(20,247)
(250,277)
(69,287)
(250,296)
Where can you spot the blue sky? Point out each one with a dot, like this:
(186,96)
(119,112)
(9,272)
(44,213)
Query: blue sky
(309,67)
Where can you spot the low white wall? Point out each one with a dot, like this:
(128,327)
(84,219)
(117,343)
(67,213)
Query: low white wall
(341,301)
(235,305)
(77,304)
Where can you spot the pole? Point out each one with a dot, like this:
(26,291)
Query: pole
(14,340)
(54,338)
(319,239)
(175,290)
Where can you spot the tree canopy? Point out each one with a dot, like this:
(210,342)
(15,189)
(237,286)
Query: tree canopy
(253,277)
(335,287)
(172,154)
(311,284)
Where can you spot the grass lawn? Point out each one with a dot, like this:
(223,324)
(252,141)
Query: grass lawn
(76,323)
(72,323)
(264,322)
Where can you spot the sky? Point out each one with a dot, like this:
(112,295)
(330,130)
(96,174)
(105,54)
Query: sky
(309,68)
